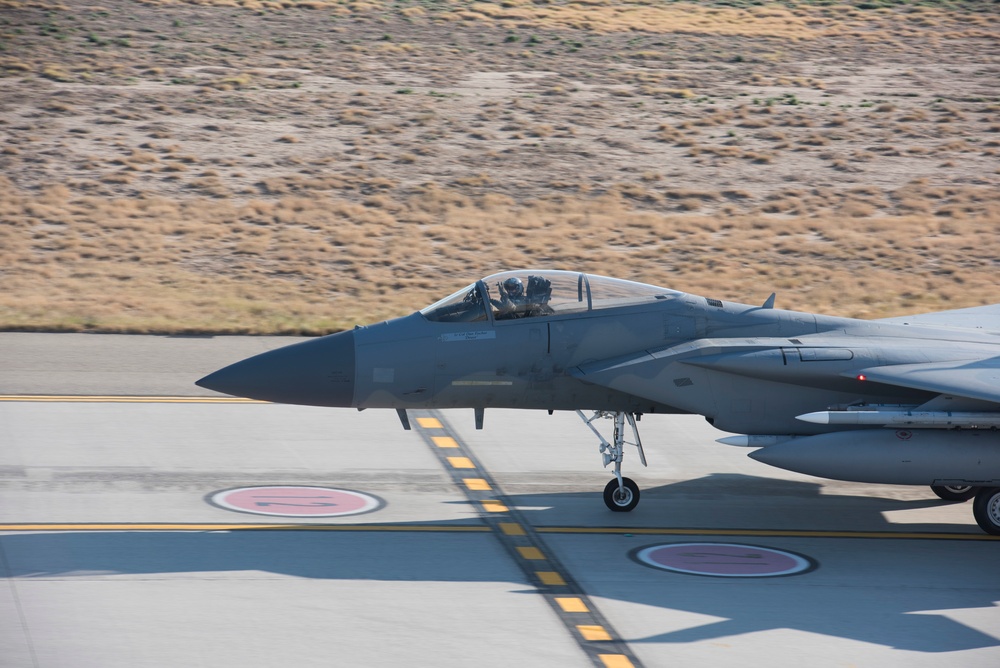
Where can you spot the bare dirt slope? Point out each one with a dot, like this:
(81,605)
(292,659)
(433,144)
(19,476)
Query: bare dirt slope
(301,167)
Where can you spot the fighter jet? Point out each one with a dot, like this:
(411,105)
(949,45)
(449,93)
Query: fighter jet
(912,400)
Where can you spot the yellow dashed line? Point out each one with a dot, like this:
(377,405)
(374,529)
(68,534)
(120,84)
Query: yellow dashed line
(477,484)
(117,526)
(444,441)
(532,553)
(512,529)
(494,506)
(795,533)
(550,578)
(461,463)
(572,604)
(46,398)
(588,627)
(593,632)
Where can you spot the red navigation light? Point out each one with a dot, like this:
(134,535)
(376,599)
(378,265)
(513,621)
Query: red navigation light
(862,376)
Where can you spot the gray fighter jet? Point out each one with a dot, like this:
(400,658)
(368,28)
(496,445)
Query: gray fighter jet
(912,400)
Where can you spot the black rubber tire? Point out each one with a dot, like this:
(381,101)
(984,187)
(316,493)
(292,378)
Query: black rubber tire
(618,502)
(955,492)
(986,509)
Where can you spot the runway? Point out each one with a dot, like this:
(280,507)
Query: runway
(132,534)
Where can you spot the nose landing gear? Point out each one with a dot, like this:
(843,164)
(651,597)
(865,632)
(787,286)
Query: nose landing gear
(621,494)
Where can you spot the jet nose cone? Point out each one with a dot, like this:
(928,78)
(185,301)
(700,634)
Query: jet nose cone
(318,372)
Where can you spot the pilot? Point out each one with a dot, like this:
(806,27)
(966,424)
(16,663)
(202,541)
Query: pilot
(512,300)
(514,288)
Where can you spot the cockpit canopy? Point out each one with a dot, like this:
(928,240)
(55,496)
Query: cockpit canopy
(529,294)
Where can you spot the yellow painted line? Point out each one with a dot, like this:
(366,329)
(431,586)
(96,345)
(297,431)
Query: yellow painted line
(444,441)
(774,533)
(531,553)
(477,484)
(494,506)
(461,463)
(508,528)
(512,529)
(572,604)
(111,526)
(615,661)
(550,578)
(593,632)
(92,399)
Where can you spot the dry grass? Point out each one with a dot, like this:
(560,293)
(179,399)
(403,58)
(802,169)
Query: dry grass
(318,263)
(305,166)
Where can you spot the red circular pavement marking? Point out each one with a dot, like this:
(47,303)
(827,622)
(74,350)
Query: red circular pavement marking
(295,501)
(728,560)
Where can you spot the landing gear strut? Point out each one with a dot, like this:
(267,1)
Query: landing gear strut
(621,494)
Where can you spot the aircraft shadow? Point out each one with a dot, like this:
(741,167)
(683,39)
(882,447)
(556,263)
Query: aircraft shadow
(832,601)
(735,501)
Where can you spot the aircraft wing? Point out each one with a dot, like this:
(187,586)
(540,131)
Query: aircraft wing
(978,317)
(975,379)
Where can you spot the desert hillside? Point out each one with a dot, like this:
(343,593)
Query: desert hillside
(262,167)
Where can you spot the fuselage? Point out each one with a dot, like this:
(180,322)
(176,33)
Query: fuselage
(613,346)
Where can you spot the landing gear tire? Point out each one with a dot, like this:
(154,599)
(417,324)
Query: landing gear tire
(954,492)
(621,500)
(986,509)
